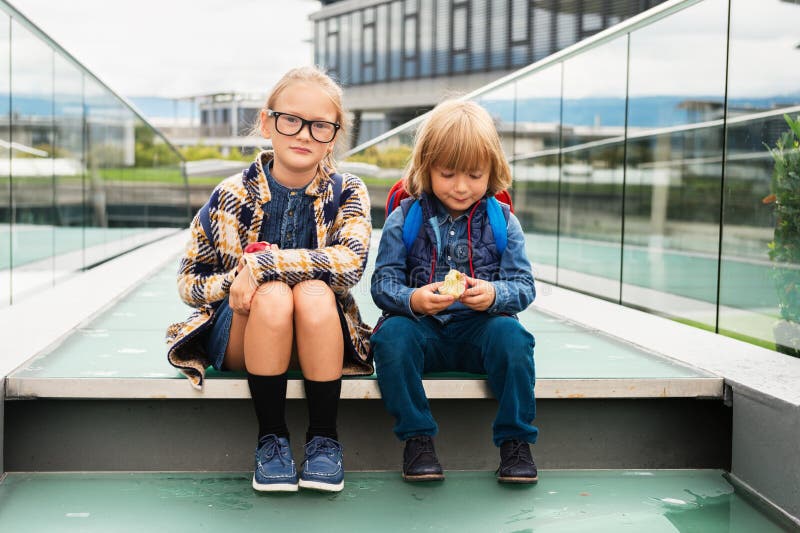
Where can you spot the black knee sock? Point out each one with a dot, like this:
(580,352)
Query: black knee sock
(323,405)
(269,401)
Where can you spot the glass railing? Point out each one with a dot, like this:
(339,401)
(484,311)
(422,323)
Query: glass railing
(642,172)
(83,176)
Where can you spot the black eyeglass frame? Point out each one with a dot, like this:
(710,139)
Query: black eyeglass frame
(303,124)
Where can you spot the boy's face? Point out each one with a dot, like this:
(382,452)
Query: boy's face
(459,189)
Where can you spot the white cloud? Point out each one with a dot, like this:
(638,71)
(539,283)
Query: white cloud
(180,47)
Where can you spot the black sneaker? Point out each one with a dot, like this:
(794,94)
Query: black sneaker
(516,463)
(419,460)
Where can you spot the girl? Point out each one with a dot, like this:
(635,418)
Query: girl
(457,165)
(257,310)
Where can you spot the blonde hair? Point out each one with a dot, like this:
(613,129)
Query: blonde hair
(318,77)
(458,135)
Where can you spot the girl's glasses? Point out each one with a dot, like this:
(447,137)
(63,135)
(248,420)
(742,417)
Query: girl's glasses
(321,130)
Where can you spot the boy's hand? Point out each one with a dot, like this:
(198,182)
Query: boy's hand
(479,295)
(425,300)
(242,289)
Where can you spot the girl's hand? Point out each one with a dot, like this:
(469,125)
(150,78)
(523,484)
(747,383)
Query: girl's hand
(479,295)
(425,300)
(242,290)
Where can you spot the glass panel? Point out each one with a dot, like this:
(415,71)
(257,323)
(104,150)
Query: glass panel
(355,42)
(97,155)
(538,111)
(500,103)
(478,14)
(344,42)
(442,36)
(673,175)
(68,167)
(498,33)
(542,35)
(320,41)
(69,197)
(5,165)
(410,38)
(593,136)
(759,294)
(567,29)
(536,166)
(592,22)
(460,28)
(381,32)
(395,36)
(157,172)
(426,38)
(332,61)
(31,162)
(519,20)
(381,165)
(519,55)
(369,44)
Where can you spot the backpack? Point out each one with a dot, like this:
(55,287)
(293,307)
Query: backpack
(205,219)
(413,220)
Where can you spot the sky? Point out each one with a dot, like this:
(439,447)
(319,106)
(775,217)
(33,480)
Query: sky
(179,48)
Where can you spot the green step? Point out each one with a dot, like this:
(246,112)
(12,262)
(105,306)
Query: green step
(563,501)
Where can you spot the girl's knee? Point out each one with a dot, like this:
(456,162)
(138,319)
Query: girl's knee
(312,293)
(314,303)
(272,301)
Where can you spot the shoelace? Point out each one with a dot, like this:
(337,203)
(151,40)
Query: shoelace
(272,447)
(520,452)
(320,445)
(423,446)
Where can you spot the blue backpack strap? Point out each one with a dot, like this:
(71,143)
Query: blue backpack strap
(330,209)
(338,184)
(391,203)
(412,224)
(205,221)
(498,222)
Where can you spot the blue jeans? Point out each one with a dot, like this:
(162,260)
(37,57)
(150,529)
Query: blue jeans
(498,346)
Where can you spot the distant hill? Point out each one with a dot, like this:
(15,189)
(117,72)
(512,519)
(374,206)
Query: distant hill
(156,107)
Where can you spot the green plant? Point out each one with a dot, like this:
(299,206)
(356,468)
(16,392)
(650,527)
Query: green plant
(784,250)
(394,157)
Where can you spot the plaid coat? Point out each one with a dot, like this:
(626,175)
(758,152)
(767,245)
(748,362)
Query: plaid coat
(207,269)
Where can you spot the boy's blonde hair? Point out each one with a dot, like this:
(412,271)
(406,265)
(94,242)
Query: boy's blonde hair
(458,135)
(313,75)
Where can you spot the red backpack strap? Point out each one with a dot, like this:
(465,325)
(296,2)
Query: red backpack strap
(395,196)
(505,197)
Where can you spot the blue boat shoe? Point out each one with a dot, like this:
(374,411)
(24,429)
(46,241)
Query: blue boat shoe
(322,466)
(275,468)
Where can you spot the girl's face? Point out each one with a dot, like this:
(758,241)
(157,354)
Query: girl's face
(458,189)
(297,156)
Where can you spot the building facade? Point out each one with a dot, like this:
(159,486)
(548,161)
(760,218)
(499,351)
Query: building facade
(398,58)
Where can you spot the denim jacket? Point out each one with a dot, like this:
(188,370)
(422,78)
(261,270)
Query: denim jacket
(391,288)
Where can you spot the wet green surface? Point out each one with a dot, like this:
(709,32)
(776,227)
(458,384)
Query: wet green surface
(33,243)
(127,340)
(563,501)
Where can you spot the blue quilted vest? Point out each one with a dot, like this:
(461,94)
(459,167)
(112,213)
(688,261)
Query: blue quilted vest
(484,255)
